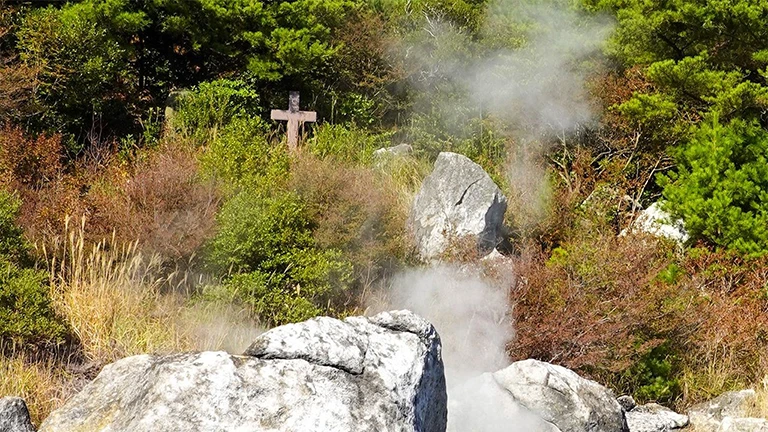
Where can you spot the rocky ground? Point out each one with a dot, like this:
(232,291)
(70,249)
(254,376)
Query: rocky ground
(360,374)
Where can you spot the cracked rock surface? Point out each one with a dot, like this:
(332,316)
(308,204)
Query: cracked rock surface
(534,396)
(383,373)
(729,412)
(456,200)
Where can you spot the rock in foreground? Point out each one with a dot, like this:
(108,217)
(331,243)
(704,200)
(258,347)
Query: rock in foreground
(729,412)
(457,199)
(534,396)
(360,374)
(14,416)
(655,418)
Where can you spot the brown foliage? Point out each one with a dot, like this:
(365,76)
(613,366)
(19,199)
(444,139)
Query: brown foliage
(27,162)
(18,83)
(33,168)
(161,202)
(355,210)
(585,306)
(599,304)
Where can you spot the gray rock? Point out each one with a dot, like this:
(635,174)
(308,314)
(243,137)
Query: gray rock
(534,396)
(654,418)
(360,374)
(14,416)
(728,404)
(627,403)
(394,151)
(743,424)
(729,412)
(457,199)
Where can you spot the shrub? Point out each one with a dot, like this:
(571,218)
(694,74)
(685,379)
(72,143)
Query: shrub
(161,201)
(211,106)
(268,239)
(354,210)
(26,314)
(720,187)
(28,162)
(243,157)
(348,144)
(84,72)
(594,305)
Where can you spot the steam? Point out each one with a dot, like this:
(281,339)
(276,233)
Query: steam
(469,309)
(469,313)
(527,77)
(527,74)
(219,326)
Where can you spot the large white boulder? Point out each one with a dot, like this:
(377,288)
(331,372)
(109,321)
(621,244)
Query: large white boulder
(456,200)
(534,396)
(14,416)
(383,373)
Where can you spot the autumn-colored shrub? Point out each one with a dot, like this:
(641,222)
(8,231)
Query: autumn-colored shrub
(162,202)
(29,162)
(629,312)
(354,210)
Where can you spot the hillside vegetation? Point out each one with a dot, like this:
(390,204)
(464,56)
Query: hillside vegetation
(149,204)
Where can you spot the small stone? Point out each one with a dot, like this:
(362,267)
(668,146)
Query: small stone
(14,415)
(627,403)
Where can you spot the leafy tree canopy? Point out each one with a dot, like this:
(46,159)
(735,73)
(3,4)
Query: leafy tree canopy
(112,58)
(699,56)
(721,187)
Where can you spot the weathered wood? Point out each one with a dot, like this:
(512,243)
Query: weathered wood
(295,118)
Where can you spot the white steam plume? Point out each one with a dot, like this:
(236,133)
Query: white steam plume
(527,72)
(469,312)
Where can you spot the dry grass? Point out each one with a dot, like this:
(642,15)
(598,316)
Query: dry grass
(112,298)
(117,302)
(43,385)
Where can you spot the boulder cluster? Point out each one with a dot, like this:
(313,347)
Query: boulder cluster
(380,373)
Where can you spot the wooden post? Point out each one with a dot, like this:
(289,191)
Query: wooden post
(295,118)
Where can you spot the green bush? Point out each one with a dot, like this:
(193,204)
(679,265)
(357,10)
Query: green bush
(654,376)
(26,314)
(84,70)
(212,105)
(243,157)
(267,240)
(345,144)
(721,187)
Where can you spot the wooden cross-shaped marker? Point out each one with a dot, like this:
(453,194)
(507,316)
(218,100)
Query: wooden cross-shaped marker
(295,118)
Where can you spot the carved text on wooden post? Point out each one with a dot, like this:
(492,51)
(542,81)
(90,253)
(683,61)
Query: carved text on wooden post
(295,118)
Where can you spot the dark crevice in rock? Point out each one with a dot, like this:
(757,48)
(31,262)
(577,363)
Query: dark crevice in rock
(464,194)
(309,359)
(425,338)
